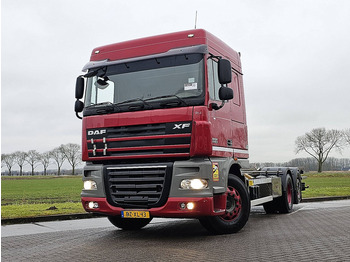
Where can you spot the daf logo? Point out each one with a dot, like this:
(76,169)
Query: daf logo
(96,132)
(181,126)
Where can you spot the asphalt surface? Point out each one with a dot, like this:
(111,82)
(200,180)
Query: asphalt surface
(314,231)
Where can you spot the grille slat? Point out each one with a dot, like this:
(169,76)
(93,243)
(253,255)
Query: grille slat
(141,186)
(136,179)
(137,200)
(151,186)
(124,131)
(136,172)
(132,193)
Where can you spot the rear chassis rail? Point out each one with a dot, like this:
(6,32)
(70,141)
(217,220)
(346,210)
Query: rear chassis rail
(269,183)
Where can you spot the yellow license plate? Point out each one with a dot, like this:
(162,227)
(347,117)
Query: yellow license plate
(135,214)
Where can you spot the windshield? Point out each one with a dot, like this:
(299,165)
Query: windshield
(150,83)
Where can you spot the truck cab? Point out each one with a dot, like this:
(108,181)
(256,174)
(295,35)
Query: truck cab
(164,132)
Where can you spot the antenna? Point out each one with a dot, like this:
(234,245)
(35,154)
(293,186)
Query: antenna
(195,21)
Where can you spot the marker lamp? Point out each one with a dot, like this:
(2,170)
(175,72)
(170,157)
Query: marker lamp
(90,185)
(196,183)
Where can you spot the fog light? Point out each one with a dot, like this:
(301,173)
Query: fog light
(93,205)
(190,205)
(196,183)
(90,185)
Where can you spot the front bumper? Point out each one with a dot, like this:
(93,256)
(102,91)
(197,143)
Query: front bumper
(205,206)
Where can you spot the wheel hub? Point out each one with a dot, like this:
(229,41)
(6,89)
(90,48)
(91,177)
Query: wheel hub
(233,204)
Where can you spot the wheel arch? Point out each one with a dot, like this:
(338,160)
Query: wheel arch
(235,169)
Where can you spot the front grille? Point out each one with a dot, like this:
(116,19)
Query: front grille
(142,186)
(140,141)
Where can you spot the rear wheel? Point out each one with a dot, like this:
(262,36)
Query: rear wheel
(270,207)
(283,204)
(129,223)
(237,210)
(287,199)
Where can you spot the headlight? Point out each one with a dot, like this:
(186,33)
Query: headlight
(196,183)
(90,185)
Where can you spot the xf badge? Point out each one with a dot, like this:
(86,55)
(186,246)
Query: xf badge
(181,126)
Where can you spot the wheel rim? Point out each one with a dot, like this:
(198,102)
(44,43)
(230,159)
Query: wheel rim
(233,204)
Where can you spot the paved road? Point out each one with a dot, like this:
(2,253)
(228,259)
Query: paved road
(314,231)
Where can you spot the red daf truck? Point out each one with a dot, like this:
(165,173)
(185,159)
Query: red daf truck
(165,135)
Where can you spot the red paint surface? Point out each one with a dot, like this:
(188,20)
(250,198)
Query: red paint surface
(202,207)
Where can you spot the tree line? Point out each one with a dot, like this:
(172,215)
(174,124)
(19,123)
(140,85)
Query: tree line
(68,152)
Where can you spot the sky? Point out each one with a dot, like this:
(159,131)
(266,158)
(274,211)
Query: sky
(295,58)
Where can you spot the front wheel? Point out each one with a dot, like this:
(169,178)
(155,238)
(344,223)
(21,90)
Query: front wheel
(237,210)
(129,223)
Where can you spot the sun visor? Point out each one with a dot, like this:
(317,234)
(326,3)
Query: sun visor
(198,49)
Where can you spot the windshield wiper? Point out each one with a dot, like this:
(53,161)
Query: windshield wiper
(135,106)
(100,104)
(169,102)
(102,108)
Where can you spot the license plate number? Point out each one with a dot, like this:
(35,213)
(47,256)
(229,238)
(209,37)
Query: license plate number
(135,214)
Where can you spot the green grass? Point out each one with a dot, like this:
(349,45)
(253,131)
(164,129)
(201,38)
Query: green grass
(33,196)
(35,210)
(35,190)
(327,184)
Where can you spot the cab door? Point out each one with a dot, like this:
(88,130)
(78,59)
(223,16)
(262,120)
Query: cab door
(238,120)
(220,119)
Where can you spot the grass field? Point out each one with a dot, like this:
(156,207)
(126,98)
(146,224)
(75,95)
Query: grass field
(34,196)
(40,196)
(327,184)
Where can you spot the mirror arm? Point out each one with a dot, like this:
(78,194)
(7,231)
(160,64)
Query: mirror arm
(216,107)
(78,116)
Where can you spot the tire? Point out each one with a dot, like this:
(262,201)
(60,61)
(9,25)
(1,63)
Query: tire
(287,199)
(236,213)
(298,193)
(271,207)
(129,223)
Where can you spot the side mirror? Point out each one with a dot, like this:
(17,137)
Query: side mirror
(79,106)
(224,71)
(225,93)
(79,88)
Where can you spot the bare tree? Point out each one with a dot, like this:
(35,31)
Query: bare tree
(20,159)
(9,161)
(72,154)
(33,158)
(347,135)
(58,156)
(319,143)
(44,159)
